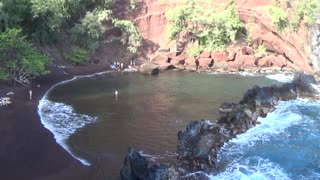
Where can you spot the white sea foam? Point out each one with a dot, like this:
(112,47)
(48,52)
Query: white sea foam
(157,157)
(285,78)
(271,125)
(252,168)
(61,120)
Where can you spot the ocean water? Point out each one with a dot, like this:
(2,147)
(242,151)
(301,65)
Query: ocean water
(97,128)
(286,145)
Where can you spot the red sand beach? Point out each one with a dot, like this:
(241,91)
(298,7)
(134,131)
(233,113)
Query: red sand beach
(27,149)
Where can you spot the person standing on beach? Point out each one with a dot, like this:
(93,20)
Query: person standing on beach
(30,94)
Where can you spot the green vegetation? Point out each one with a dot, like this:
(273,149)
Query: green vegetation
(210,28)
(88,32)
(260,51)
(19,61)
(130,34)
(295,12)
(77,55)
(79,23)
(308,10)
(279,17)
(133,4)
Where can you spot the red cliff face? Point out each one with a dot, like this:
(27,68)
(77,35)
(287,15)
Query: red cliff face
(149,16)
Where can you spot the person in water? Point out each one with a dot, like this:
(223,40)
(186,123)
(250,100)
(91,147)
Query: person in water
(116,95)
(30,94)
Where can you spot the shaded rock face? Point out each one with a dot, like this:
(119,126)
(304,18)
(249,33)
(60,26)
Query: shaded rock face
(199,144)
(136,167)
(149,68)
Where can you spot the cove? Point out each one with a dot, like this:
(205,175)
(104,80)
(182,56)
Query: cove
(150,110)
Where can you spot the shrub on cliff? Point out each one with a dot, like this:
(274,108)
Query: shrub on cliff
(279,17)
(77,55)
(308,10)
(130,34)
(211,29)
(19,61)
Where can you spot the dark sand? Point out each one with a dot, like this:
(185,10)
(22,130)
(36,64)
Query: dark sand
(27,149)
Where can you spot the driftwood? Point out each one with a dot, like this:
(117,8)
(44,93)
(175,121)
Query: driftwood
(4,101)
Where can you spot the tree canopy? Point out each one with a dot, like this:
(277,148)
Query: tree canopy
(42,22)
(19,61)
(130,34)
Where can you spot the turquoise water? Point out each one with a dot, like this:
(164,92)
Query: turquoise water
(97,128)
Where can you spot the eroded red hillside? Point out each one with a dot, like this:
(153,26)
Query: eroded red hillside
(286,50)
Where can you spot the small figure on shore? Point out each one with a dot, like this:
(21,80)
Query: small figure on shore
(134,62)
(121,65)
(30,94)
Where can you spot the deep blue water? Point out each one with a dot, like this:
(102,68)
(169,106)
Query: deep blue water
(286,145)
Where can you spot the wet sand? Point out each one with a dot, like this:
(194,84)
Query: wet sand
(27,149)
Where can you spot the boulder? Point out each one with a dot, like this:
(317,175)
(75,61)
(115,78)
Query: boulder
(198,145)
(191,67)
(205,62)
(205,54)
(149,68)
(247,51)
(279,61)
(233,66)
(248,60)
(232,55)
(171,55)
(180,67)
(166,66)
(218,56)
(159,59)
(181,57)
(221,65)
(137,167)
(190,61)
(266,61)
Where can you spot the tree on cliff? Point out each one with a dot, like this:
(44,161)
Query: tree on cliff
(130,34)
(19,61)
(88,32)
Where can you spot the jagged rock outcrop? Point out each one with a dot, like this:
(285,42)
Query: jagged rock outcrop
(136,167)
(199,144)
